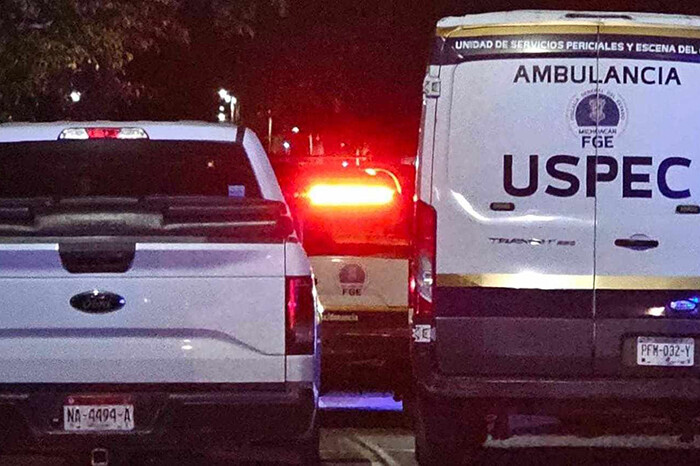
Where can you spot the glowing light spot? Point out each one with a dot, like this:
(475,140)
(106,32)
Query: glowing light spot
(350,195)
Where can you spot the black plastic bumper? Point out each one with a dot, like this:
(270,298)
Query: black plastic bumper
(167,417)
(374,335)
(430,381)
(372,352)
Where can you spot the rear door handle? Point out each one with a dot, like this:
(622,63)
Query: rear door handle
(636,244)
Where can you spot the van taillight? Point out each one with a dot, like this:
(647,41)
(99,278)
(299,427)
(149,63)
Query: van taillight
(423,263)
(299,322)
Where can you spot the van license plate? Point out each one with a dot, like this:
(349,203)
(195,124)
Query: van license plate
(81,418)
(662,351)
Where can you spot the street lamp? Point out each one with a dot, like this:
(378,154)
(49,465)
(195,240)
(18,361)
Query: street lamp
(224,95)
(75,96)
(230,100)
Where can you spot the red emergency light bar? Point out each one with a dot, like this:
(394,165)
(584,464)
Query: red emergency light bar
(349,194)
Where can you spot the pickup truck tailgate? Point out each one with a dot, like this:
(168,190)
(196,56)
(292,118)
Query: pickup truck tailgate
(192,312)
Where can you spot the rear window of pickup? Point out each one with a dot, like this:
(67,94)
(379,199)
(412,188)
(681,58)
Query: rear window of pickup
(125,168)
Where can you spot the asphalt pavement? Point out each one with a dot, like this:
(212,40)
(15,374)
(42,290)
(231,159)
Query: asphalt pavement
(373,431)
(383,437)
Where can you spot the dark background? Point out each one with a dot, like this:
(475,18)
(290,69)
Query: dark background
(351,70)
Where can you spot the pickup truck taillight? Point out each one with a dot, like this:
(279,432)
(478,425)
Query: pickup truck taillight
(300,322)
(423,263)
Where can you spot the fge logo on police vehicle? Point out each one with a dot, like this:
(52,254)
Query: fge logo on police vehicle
(597,116)
(352,279)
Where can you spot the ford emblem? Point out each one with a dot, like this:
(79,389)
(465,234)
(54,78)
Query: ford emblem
(97,302)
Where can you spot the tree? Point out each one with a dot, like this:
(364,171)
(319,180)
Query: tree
(49,47)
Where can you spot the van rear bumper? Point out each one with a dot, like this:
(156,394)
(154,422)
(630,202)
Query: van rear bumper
(430,381)
(538,388)
(168,417)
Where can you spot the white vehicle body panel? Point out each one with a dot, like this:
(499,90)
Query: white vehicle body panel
(463,190)
(480,121)
(296,261)
(667,129)
(86,358)
(563,144)
(195,311)
(552,17)
(426,139)
(361,283)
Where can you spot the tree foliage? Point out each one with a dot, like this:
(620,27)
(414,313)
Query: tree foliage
(48,47)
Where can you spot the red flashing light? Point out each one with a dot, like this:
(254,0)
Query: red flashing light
(350,194)
(103,133)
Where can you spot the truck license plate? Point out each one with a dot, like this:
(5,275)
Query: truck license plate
(662,351)
(98,417)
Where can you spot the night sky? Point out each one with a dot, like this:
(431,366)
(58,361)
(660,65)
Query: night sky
(353,69)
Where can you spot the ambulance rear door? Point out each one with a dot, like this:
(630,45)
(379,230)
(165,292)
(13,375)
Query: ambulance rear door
(648,203)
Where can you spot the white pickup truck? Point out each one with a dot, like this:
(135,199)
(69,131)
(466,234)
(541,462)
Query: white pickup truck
(153,293)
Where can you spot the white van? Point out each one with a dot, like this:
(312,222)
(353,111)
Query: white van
(154,296)
(558,190)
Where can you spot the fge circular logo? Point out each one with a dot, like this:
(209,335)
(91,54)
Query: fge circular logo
(352,279)
(597,112)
